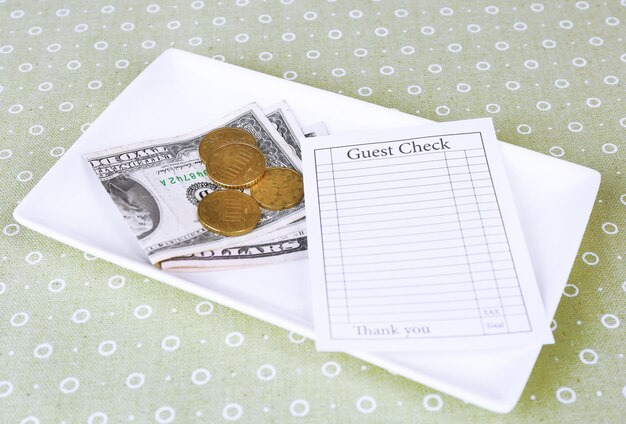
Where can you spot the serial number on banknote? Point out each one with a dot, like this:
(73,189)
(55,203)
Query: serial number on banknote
(183,178)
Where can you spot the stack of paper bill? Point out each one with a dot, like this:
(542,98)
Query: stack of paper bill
(157,185)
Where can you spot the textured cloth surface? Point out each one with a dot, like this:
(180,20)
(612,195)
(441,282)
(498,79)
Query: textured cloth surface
(82,340)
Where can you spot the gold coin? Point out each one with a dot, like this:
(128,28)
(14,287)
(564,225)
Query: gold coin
(222,136)
(236,165)
(280,188)
(229,212)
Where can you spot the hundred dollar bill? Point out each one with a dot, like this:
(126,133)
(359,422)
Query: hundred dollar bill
(289,242)
(158,184)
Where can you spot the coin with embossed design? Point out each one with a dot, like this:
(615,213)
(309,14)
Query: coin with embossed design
(229,212)
(222,136)
(280,188)
(236,165)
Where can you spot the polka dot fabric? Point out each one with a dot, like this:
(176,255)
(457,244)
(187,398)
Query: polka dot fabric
(82,340)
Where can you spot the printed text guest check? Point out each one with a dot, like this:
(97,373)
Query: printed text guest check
(415,243)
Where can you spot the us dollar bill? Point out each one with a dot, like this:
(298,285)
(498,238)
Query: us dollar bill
(158,184)
(285,123)
(287,243)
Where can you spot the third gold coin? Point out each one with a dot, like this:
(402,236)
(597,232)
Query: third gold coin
(229,212)
(280,188)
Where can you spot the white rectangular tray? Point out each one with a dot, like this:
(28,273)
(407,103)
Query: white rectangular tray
(181,91)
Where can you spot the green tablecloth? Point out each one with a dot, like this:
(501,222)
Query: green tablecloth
(82,340)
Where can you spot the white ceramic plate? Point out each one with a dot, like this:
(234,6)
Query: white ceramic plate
(181,91)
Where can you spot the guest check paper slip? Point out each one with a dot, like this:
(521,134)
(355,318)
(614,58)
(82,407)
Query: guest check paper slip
(415,243)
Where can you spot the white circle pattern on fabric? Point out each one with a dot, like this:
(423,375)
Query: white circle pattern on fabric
(94,85)
(204,308)
(135,380)
(36,130)
(57,285)
(24,176)
(590,258)
(609,148)
(446,11)
(69,385)
(433,402)
(290,75)
(19,319)
(81,316)
(6,388)
(571,290)
(142,311)
(588,356)
(502,46)
(266,372)
(610,228)
(288,36)
(43,351)
(566,395)
(610,321)
(512,85)
(366,404)
(266,56)
(331,369)
(365,91)
(116,281)
(234,339)
(98,418)
(455,47)
(232,412)
(492,108)
(107,348)
(414,90)
(335,34)
(299,408)
(170,343)
(34,257)
(165,415)
(200,376)
(296,338)
(15,109)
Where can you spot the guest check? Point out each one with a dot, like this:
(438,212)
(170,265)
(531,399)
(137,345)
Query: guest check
(415,243)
